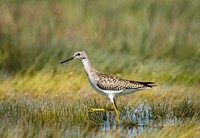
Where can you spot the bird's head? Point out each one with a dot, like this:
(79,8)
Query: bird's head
(77,55)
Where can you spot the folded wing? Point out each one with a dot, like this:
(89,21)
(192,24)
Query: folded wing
(115,83)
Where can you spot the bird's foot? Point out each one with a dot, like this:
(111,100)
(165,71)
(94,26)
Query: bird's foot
(95,109)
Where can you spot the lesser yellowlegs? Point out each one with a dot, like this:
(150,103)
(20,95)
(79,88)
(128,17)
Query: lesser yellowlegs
(107,84)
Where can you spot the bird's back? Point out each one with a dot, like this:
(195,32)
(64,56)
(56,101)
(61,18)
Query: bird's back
(115,83)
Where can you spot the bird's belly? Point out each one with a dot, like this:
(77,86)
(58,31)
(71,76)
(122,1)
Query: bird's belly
(126,91)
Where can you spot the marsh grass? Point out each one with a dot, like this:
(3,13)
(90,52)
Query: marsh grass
(55,117)
(141,40)
(57,30)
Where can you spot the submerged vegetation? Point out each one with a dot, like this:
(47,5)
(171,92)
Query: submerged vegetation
(140,40)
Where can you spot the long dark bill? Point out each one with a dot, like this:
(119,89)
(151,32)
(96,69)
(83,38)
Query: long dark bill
(67,60)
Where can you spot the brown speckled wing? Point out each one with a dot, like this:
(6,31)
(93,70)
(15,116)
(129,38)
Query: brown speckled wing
(115,83)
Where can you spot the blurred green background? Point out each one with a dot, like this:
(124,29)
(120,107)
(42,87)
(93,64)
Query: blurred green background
(118,35)
(144,40)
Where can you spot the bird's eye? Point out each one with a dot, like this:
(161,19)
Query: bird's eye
(78,54)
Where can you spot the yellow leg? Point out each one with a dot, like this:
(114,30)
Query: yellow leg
(95,109)
(116,110)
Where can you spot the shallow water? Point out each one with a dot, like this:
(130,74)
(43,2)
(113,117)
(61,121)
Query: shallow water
(134,126)
(133,122)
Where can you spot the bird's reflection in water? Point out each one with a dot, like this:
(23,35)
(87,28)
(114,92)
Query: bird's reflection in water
(109,125)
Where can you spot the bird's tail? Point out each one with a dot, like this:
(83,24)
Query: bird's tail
(148,84)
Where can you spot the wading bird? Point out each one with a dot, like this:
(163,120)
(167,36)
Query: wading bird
(107,84)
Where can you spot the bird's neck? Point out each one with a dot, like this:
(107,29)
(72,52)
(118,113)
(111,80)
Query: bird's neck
(88,67)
